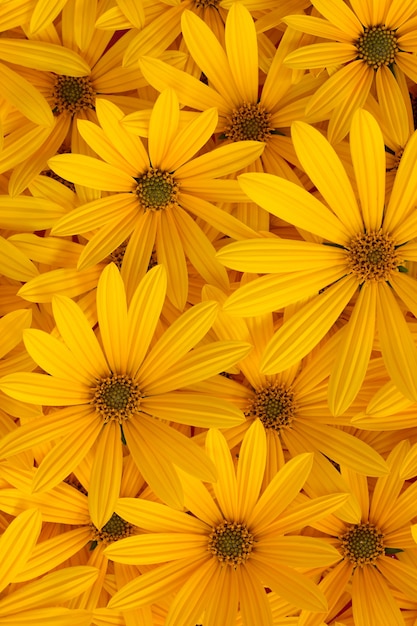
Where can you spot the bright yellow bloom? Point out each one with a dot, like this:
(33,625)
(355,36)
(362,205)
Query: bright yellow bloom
(123,389)
(364,246)
(368,570)
(158,188)
(231,547)
(368,42)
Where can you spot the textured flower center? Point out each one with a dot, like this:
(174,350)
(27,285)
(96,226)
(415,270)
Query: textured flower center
(156,190)
(231,542)
(116,397)
(73,94)
(116,528)
(373,256)
(377,46)
(249,122)
(118,254)
(274,405)
(362,544)
(206,3)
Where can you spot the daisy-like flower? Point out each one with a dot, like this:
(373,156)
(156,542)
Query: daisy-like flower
(371,568)
(228,549)
(367,42)
(157,189)
(36,602)
(121,391)
(364,245)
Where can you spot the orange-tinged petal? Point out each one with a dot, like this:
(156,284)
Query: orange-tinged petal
(222,161)
(11,329)
(17,543)
(44,12)
(157,547)
(171,254)
(23,95)
(254,605)
(303,552)
(52,616)
(316,26)
(42,389)
(226,586)
(373,604)
(14,263)
(106,475)
(320,55)
(339,14)
(404,191)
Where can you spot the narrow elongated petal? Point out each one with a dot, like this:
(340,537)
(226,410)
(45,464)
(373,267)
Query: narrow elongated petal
(22,95)
(190,139)
(43,56)
(112,317)
(374,603)
(321,55)
(42,389)
(304,552)
(280,492)
(44,12)
(106,475)
(222,161)
(163,126)
(368,156)
(157,547)
(193,409)
(251,468)
(280,197)
(16,544)
(242,51)
(157,517)
(90,172)
(225,487)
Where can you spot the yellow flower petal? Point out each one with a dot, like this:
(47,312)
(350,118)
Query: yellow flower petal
(43,56)
(16,544)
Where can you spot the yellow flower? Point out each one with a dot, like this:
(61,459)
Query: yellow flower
(121,390)
(231,547)
(368,42)
(158,189)
(364,247)
(372,547)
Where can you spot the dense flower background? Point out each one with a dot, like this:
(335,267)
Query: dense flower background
(208,303)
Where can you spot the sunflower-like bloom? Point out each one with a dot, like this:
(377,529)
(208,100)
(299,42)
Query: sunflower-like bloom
(374,568)
(367,42)
(158,188)
(36,601)
(361,258)
(121,391)
(231,546)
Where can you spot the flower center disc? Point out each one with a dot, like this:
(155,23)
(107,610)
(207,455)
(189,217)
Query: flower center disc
(231,542)
(116,397)
(362,544)
(156,190)
(249,122)
(73,94)
(274,405)
(377,46)
(116,528)
(372,256)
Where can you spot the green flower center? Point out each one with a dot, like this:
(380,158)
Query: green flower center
(362,544)
(156,190)
(73,94)
(377,46)
(116,528)
(274,405)
(231,542)
(249,122)
(373,256)
(116,397)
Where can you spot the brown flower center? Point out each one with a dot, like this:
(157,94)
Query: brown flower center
(377,46)
(116,528)
(116,397)
(231,542)
(156,190)
(274,405)
(373,256)
(249,122)
(362,544)
(73,94)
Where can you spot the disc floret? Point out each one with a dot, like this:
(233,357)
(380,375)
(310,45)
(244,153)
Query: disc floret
(249,122)
(362,544)
(73,94)
(274,405)
(373,256)
(115,528)
(116,397)
(377,46)
(156,190)
(231,543)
